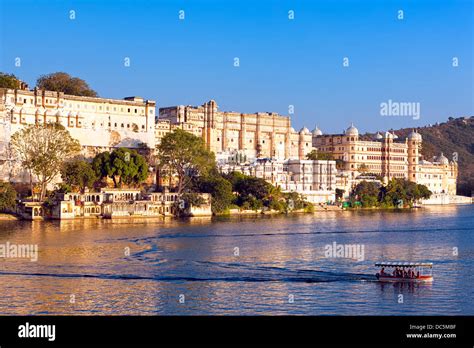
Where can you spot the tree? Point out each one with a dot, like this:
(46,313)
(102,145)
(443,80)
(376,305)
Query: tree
(42,149)
(220,190)
(79,174)
(7,196)
(101,165)
(252,189)
(367,192)
(63,82)
(123,166)
(185,155)
(315,155)
(9,81)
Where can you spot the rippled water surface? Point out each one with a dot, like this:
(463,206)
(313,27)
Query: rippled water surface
(280,266)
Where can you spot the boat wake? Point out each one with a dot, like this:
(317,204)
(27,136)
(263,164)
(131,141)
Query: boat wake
(205,271)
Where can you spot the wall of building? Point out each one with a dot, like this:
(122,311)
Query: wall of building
(263,134)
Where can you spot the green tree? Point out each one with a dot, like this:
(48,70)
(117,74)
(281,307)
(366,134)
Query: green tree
(78,174)
(123,166)
(42,149)
(7,197)
(63,82)
(367,192)
(102,166)
(9,81)
(220,190)
(423,192)
(252,186)
(185,155)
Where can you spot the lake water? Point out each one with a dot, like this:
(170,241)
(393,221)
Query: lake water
(240,265)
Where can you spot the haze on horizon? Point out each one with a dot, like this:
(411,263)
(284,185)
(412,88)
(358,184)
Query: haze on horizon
(282,61)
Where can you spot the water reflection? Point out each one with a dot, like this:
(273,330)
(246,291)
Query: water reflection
(277,256)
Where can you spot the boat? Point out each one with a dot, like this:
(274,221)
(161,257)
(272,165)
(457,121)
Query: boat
(409,272)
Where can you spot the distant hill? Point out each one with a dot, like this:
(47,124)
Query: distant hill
(454,136)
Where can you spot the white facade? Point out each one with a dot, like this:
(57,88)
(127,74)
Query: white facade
(99,124)
(316,180)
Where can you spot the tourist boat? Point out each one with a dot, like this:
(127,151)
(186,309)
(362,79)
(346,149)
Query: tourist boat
(410,272)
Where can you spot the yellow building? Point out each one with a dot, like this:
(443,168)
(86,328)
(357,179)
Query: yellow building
(255,135)
(388,156)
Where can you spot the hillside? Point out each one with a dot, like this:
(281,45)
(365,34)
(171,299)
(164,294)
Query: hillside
(454,136)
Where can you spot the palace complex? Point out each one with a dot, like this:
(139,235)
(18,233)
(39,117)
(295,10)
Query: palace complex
(260,144)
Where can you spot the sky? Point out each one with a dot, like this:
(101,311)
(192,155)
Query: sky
(332,63)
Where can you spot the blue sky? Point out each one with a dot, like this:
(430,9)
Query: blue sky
(282,62)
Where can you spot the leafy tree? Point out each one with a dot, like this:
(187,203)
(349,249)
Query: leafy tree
(220,190)
(185,155)
(79,174)
(7,196)
(423,192)
(296,201)
(42,149)
(102,166)
(123,166)
(234,178)
(366,188)
(316,155)
(9,81)
(63,82)
(252,186)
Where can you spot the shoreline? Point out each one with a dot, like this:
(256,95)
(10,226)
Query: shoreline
(235,212)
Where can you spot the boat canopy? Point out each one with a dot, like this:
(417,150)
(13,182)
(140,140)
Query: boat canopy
(404,264)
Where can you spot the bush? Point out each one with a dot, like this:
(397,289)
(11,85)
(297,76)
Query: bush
(7,197)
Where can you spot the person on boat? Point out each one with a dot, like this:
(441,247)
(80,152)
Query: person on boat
(382,271)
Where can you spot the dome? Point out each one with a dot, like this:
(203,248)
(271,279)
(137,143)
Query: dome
(317,131)
(388,135)
(414,135)
(378,136)
(395,136)
(304,130)
(352,130)
(442,159)
(292,130)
